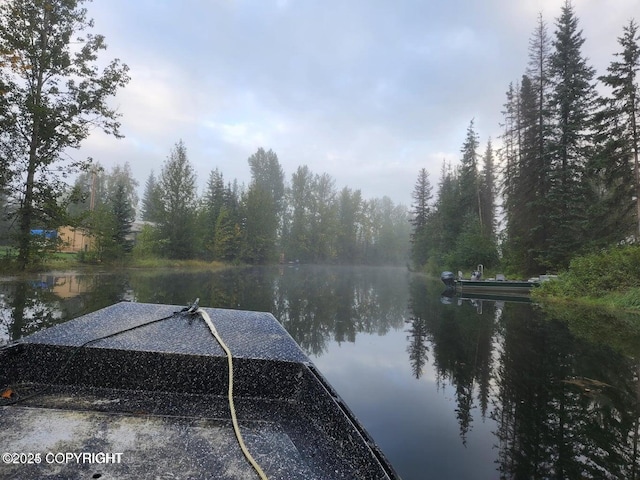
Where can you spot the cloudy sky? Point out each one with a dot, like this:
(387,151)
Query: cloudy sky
(369,91)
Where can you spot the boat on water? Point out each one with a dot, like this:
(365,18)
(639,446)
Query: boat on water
(146,391)
(490,286)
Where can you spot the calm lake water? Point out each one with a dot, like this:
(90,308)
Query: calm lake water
(449,389)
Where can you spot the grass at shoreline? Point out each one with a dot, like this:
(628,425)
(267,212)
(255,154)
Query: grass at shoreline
(626,300)
(69,261)
(608,278)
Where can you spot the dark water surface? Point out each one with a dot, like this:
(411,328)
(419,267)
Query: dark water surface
(453,390)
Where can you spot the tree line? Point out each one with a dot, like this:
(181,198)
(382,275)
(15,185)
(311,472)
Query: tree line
(53,91)
(304,220)
(567,173)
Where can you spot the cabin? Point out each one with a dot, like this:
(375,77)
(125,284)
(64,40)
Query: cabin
(74,239)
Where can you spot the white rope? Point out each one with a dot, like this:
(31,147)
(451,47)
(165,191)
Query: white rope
(236,427)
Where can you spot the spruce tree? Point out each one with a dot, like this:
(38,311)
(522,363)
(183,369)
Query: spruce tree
(538,72)
(178,184)
(124,215)
(615,169)
(447,223)
(420,217)
(572,101)
(469,180)
(528,159)
(537,121)
(532,195)
(152,200)
(511,187)
(488,194)
(212,204)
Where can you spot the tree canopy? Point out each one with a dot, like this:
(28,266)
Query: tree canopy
(53,94)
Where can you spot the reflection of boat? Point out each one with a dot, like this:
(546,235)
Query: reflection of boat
(498,287)
(477,300)
(515,296)
(148,387)
(450,297)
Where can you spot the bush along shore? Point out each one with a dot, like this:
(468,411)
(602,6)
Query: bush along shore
(610,278)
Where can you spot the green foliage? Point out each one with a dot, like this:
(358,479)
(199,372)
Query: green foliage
(349,210)
(177,225)
(228,237)
(104,228)
(459,230)
(420,218)
(152,200)
(54,93)
(600,325)
(104,203)
(147,243)
(598,274)
(260,231)
(473,247)
(617,145)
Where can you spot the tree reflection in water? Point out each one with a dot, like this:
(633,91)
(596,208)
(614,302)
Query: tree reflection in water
(560,386)
(566,404)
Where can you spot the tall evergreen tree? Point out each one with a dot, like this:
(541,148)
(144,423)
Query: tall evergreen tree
(228,236)
(122,198)
(539,73)
(572,101)
(124,214)
(509,160)
(527,159)
(469,180)
(537,122)
(212,204)
(152,208)
(488,194)
(530,215)
(618,144)
(178,182)
(420,217)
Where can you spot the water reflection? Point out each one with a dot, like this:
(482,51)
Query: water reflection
(566,404)
(324,304)
(554,391)
(315,304)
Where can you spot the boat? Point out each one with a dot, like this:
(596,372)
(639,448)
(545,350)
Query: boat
(150,391)
(491,286)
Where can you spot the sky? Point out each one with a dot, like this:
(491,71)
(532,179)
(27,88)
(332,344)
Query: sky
(368,91)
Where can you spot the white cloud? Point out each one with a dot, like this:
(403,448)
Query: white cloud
(367,91)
